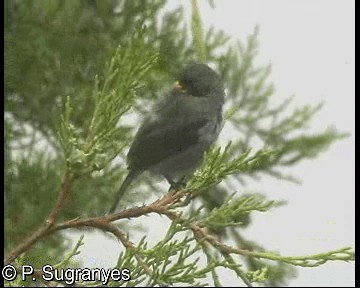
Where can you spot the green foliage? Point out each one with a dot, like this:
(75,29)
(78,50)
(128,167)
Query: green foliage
(104,139)
(197,31)
(33,185)
(217,166)
(76,70)
(169,262)
(233,210)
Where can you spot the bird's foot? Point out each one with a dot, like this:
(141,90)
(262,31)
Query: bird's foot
(175,186)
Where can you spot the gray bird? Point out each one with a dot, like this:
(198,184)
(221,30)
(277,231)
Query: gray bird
(171,141)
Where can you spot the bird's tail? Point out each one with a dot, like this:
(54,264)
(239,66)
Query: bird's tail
(132,175)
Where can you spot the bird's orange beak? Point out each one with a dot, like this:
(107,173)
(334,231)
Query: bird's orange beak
(179,86)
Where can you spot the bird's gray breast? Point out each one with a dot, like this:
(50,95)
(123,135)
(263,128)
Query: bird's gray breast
(187,160)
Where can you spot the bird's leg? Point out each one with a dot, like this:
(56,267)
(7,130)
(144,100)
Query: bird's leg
(176,185)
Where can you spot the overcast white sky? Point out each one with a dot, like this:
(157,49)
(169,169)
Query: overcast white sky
(311,46)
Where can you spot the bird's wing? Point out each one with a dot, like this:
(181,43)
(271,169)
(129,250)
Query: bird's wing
(157,140)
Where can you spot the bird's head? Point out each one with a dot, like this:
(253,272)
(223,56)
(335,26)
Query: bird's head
(199,80)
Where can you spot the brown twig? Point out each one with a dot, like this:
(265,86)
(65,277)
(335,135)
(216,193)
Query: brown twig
(46,227)
(113,229)
(103,223)
(159,206)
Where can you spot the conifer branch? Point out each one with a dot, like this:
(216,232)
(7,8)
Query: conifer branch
(163,206)
(46,228)
(197,31)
